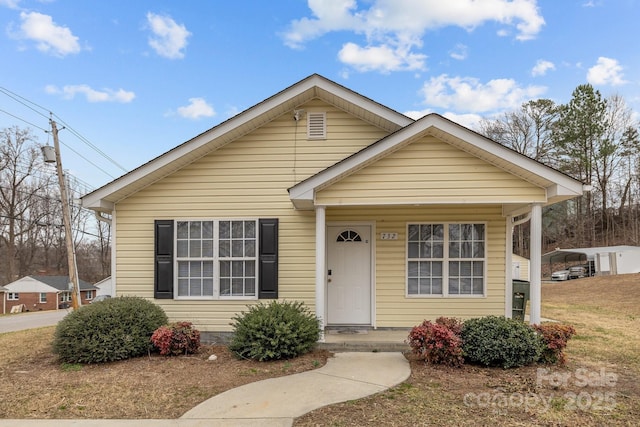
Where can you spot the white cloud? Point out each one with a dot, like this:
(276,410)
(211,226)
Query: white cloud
(11,4)
(416,114)
(196,109)
(329,15)
(607,71)
(469,95)
(395,28)
(541,67)
(49,37)
(383,58)
(470,121)
(169,39)
(460,52)
(92,95)
(467,120)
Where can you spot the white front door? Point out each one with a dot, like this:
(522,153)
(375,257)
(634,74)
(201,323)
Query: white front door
(349,275)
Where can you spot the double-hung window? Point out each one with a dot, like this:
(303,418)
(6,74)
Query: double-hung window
(446,259)
(216,259)
(43,297)
(13,296)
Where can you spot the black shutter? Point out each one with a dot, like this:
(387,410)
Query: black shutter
(268,259)
(163,271)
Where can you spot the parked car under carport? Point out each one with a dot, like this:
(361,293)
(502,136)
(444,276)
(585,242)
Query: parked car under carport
(560,275)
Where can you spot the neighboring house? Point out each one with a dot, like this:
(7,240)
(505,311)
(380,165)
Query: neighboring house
(520,267)
(4,302)
(104,287)
(606,260)
(45,293)
(321,195)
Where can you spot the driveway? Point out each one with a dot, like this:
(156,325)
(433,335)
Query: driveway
(38,319)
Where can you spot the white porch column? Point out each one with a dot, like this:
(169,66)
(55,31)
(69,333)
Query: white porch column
(508,288)
(535,272)
(321,265)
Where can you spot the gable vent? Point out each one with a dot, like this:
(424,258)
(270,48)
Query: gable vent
(316,125)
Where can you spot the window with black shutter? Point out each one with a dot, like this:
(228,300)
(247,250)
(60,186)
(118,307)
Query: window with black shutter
(216,259)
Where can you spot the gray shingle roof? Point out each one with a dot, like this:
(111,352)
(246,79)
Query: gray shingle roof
(62,282)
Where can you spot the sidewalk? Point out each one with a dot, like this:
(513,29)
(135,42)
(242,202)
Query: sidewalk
(275,402)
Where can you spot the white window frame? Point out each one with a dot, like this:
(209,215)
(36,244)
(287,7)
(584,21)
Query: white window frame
(13,296)
(445,261)
(65,297)
(42,297)
(216,259)
(89,295)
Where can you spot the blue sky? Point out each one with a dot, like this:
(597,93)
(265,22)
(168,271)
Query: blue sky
(136,78)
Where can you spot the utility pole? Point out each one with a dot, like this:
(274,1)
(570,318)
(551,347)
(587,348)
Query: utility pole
(66,216)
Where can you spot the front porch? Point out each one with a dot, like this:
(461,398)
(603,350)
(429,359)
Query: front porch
(366,340)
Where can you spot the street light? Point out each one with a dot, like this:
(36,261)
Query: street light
(52,155)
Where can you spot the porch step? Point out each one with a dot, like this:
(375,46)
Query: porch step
(365,340)
(364,346)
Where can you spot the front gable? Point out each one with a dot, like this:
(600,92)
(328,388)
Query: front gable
(290,103)
(430,171)
(256,169)
(434,129)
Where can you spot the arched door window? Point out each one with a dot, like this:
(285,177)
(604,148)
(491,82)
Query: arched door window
(349,236)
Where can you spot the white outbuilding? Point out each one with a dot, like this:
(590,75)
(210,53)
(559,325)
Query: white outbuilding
(606,260)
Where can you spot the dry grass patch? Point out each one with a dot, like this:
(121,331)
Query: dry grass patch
(33,384)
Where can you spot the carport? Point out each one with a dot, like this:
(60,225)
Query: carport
(566,256)
(605,260)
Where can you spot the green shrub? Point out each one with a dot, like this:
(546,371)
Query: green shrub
(278,330)
(176,339)
(498,341)
(439,342)
(555,337)
(114,329)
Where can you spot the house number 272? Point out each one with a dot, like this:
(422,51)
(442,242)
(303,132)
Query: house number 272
(388,236)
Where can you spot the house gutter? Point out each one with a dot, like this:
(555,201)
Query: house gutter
(99,217)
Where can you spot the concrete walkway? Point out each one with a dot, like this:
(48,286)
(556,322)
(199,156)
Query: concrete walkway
(277,401)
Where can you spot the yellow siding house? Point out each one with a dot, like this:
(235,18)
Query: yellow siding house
(321,195)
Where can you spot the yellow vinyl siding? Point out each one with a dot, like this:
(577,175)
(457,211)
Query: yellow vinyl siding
(524,266)
(393,308)
(248,178)
(432,171)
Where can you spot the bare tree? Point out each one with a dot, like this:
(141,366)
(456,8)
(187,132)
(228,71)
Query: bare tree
(20,187)
(527,130)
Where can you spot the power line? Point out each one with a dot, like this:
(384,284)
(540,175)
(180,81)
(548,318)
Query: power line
(41,224)
(25,102)
(21,119)
(22,100)
(87,142)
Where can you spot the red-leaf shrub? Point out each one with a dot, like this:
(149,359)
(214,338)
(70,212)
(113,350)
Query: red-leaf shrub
(439,342)
(177,338)
(555,337)
(452,323)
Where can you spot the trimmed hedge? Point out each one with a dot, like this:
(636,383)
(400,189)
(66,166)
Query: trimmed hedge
(114,329)
(498,341)
(278,330)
